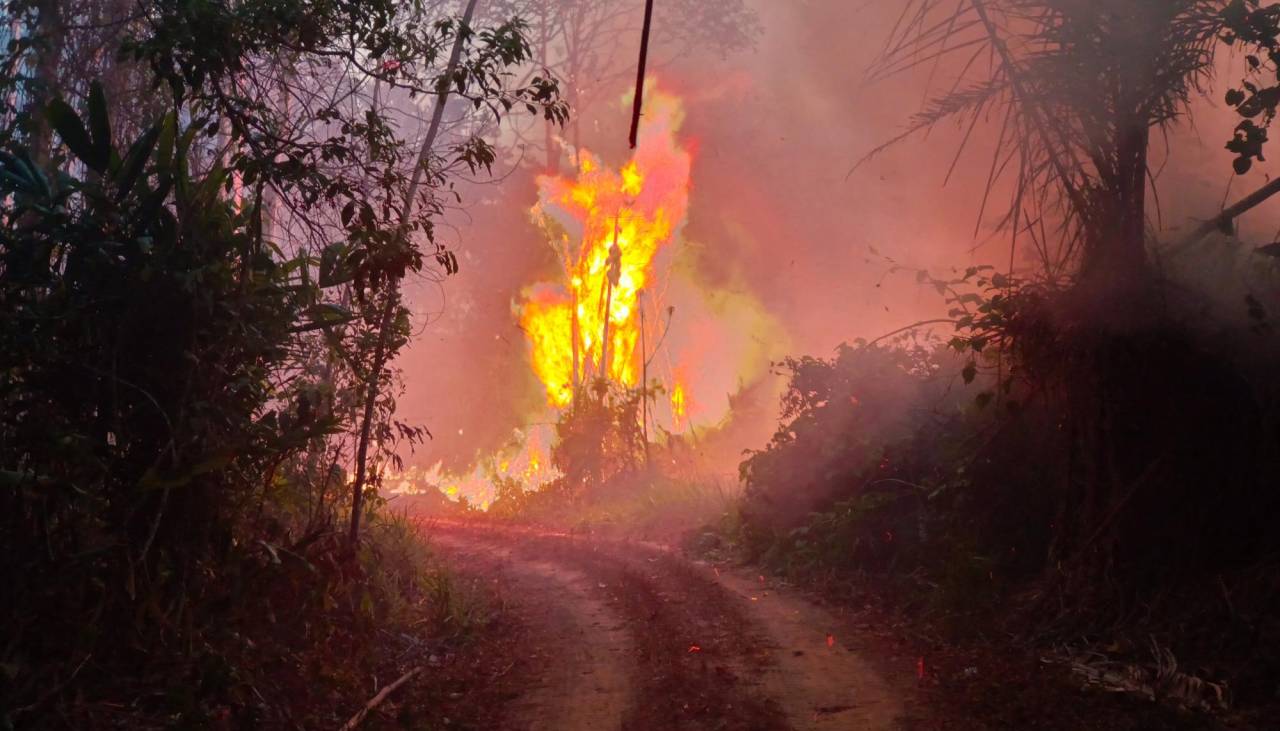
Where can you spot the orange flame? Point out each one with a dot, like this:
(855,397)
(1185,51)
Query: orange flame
(677,401)
(622,219)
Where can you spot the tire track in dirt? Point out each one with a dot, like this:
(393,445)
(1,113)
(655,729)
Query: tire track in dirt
(821,684)
(708,649)
(581,650)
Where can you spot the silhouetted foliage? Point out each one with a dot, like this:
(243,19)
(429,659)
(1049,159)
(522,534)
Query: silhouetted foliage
(599,439)
(195,282)
(1093,451)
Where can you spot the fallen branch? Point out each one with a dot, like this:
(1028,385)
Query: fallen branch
(377,700)
(1222,221)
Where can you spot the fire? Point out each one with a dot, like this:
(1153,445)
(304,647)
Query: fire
(588,325)
(623,293)
(677,401)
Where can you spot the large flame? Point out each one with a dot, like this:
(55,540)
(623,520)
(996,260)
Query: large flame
(610,225)
(718,339)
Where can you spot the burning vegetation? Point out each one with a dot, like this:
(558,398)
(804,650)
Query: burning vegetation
(629,346)
(212,253)
(608,228)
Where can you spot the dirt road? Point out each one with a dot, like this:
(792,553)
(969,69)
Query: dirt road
(624,635)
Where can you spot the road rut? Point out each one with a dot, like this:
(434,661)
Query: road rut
(628,635)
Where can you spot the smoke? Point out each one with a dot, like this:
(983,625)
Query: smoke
(787,249)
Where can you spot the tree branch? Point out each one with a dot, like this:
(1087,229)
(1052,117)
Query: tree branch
(1223,220)
(393,288)
(375,701)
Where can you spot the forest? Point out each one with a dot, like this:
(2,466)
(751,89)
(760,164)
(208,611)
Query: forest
(639,364)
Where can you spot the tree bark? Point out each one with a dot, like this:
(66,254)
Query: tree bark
(549,137)
(1115,254)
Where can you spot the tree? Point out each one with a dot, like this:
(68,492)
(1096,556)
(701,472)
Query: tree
(201,304)
(1077,87)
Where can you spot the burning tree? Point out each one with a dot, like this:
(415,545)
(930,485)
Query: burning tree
(587,329)
(607,228)
(611,362)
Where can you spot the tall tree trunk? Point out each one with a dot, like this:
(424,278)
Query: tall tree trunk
(125,116)
(50,38)
(544,52)
(638,103)
(1115,257)
(393,288)
(576,345)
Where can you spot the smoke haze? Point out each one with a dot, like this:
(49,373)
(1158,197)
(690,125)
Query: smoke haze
(790,246)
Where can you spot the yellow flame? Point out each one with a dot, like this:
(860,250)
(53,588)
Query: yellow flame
(632,180)
(677,401)
(639,208)
(636,209)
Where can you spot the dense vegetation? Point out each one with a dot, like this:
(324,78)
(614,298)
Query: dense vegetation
(1093,452)
(209,209)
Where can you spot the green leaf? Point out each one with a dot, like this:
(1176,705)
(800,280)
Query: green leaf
(99,125)
(324,315)
(135,162)
(67,124)
(333,266)
(164,145)
(23,175)
(970,372)
(151,479)
(153,200)
(207,190)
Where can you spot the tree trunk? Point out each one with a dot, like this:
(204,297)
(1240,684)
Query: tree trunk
(1114,269)
(549,137)
(50,36)
(393,293)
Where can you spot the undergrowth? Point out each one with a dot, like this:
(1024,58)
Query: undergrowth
(1039,476)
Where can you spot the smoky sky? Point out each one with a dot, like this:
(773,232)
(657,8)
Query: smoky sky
(775,212)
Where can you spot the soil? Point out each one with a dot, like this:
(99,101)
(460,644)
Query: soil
(600,633)
(628,635)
